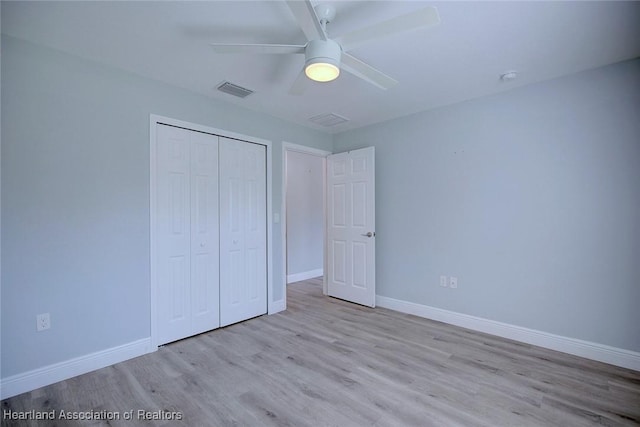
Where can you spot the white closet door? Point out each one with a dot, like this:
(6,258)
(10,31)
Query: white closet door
(243,237)
(205,247)
(186,233)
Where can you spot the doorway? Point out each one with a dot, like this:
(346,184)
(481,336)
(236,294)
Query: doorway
(304,173)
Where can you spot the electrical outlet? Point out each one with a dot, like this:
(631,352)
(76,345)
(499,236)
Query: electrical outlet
(443,281)
(453,282)
(43,322)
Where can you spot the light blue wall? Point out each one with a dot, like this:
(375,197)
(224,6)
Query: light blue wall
(531,198)
(75,198)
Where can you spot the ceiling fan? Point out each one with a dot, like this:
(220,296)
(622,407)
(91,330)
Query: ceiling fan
(325,57)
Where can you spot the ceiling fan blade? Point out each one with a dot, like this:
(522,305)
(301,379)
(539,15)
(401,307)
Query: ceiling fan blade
(257,48)
(307,19)
(419,19)
(299,85)
(366,72)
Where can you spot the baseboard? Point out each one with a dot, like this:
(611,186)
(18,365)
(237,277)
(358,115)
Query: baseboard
(590,350)
(277,306)
(291,278)
(21,383)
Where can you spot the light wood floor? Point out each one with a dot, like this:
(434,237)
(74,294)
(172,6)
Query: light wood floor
(326,362)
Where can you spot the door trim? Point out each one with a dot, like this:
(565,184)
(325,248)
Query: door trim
(289,146)
(154,120)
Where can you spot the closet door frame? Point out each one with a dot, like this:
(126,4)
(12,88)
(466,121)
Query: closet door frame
(272,306)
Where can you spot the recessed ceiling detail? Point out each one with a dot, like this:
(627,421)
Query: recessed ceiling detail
(328,120)
(235,90)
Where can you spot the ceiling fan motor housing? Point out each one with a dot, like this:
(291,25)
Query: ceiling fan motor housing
(326,51)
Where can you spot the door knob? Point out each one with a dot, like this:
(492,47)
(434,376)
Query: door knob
(369,234)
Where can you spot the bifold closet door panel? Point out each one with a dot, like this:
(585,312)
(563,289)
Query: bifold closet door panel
(186,233)
(173,179)
(243,236)
(205,235)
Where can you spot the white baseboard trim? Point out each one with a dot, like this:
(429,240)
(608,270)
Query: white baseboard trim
(291,278)
(21,383)
(590,350)
(277,306)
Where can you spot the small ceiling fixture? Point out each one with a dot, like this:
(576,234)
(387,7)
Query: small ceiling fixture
(508,76)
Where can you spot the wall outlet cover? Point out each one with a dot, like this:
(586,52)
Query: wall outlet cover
(43,322)
(453,282)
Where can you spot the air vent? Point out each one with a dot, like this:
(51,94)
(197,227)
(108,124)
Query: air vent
(234,90)
(328,120)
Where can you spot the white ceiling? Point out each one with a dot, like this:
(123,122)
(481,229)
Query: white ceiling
(460,59)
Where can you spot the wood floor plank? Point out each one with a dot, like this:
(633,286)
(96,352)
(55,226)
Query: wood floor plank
(327,362)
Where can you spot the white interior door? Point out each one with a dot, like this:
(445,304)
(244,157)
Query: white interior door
(186,233)
(351,223)
(243,231)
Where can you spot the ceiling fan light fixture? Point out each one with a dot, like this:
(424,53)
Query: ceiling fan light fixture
(322,60)
(322,71)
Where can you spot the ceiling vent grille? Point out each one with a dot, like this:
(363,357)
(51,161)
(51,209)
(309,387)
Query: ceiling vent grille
(328,120)
(235,90)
